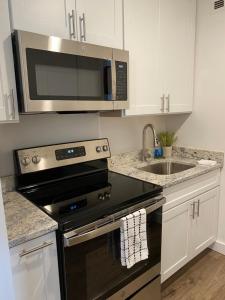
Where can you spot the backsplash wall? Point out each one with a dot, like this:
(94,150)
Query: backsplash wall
(125,134)
(34,130)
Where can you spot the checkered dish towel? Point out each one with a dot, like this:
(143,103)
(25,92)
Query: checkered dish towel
(133,238)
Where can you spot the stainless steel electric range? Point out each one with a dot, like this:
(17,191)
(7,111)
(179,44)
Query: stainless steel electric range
(72,184)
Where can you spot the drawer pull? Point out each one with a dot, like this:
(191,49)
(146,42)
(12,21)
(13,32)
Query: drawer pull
(193,210)
(198,213)
(44,245)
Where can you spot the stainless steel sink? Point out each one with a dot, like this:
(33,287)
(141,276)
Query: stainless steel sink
(166,168)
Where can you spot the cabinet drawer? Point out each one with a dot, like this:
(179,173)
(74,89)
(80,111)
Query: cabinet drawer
(189,189)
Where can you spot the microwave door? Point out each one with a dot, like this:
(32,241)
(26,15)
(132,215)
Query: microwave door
(66,82)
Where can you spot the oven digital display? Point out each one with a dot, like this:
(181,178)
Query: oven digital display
(68,153)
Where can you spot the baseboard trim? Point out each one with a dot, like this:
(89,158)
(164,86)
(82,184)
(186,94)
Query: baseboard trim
(218,246)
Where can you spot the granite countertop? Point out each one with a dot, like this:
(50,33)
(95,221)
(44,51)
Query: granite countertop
(129,164)
(25,221)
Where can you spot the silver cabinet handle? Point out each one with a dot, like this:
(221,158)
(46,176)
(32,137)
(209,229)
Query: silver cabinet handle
(198,211)
(168,103)
(193,210)
(72,29)
(10,100)
(44,245)
(162,103)
(82,28)
(13,104)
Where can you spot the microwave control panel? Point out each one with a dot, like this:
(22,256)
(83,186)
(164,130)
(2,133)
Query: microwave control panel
(121,80)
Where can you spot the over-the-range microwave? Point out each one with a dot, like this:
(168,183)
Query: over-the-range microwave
(58,75)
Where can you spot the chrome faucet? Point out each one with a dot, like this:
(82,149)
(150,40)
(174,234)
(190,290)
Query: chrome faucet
(155,140)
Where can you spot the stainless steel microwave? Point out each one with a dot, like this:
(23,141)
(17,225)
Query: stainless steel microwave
(58,75)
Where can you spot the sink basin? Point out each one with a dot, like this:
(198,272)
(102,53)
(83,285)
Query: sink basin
(167,168)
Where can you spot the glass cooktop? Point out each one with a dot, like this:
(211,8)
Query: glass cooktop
(80,200)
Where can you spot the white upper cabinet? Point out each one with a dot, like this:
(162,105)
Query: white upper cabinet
(49,17)
(160,35)
(177,45)
(100,22)
(8,96)
(141,38)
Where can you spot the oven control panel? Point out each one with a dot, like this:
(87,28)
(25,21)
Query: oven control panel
(53,156)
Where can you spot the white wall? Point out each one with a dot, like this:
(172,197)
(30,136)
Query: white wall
(205,128)
(6,290)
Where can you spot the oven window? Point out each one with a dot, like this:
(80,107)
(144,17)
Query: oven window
(93,269)
(59,76)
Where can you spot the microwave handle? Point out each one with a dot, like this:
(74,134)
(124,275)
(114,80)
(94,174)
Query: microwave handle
(114,92)
(70,241)
(107,80)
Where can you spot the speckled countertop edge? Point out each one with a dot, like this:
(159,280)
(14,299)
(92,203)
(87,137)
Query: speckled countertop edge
(24,221)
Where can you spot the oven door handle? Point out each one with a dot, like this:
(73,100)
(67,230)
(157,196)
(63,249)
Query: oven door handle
(71,240)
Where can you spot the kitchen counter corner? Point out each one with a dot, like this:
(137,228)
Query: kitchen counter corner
(25,221)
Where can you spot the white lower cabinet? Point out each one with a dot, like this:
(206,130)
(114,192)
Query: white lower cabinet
(188,228)
(35,269)
(175,239)
(204,226)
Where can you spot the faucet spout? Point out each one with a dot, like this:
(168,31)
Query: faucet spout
(155,140)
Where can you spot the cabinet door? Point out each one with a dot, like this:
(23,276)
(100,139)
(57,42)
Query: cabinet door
(175,239)
(44,17)
(8,96)
(141,37)
(101,22)
(35,275)
(204,226)
(177,45)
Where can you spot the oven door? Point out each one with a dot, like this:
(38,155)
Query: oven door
(60,75)
(93,268)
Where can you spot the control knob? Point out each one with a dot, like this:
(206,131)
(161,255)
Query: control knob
(101,197)
(36,159)
(25,161)
(107,195)
(105,148)
(98,149)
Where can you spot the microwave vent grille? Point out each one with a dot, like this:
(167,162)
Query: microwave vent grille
(218,4)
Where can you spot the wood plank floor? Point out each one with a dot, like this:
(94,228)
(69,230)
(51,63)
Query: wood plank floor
(203,280)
